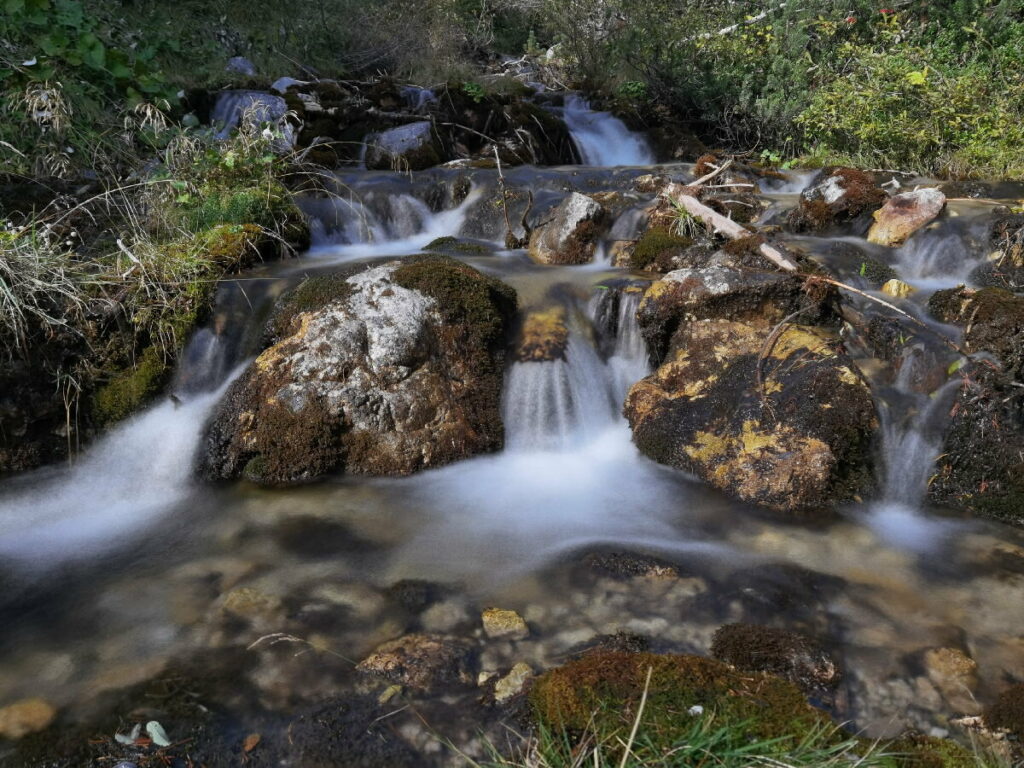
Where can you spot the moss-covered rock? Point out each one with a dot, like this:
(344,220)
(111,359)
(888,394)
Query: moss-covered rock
(387,371)
(570,233)
(656,250)
(543,335)
(1007,711)
(778,418)
(600,692)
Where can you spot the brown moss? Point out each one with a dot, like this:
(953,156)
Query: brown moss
(705,164)
(916,750)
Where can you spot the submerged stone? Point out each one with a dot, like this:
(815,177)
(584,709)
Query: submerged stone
(502,624)
(24,717)
(793,656)
(425,662)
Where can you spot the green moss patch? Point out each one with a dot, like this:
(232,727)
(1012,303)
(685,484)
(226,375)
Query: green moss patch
(131,388)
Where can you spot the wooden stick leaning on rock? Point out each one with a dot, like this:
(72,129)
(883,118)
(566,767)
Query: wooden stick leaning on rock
(684,196)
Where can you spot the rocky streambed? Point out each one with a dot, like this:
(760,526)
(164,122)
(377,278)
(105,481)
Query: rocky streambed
(501,439)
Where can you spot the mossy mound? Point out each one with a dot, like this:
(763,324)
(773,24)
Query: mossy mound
(450,244)
(920,751)
(601,692)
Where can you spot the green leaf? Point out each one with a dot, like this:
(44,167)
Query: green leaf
(919,77)
(13,7)
(92,50)
(955,366)
(55,43)
(69,13)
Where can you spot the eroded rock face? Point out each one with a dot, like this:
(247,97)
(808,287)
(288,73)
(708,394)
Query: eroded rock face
(405,147)
(570,234)
(387,371)
(845,194)
(904,214)
(779,419)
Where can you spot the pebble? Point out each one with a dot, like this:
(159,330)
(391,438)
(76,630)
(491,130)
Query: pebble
(512,683)
(503,624)
(24,717)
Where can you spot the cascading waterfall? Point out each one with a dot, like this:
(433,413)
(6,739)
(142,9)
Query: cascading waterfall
(601,138)
(943,255)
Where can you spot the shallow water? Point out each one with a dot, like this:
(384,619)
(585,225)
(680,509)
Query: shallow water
(122,562)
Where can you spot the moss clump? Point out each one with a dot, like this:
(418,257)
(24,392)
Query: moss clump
(655,248)
(602,689)
(131,388)
(860,195)
(1008,711)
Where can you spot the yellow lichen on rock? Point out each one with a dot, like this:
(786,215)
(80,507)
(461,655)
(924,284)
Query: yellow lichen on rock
(543,335)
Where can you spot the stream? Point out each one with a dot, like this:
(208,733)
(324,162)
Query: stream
(115,566)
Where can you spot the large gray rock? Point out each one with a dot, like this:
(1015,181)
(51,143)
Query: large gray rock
(388,371)
(409,147)
(570,234)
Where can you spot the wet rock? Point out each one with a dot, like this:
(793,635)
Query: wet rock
(782,420)
(543,335)
(627,565)
(904,214)
(790,655)
(569,234)
(1005,265)
(897,288)
(513,683)
(979,468)
(650,183)
(955,674)
(410,147)
(845,194)
(239,65)
(24,717)
(657,250)
(425,662)
(415,595)
(312,536)
(504,624)
(387,371)
(251,604)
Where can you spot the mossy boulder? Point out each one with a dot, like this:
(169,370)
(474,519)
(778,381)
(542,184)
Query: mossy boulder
(601,691)
(844,194)
(776,415)
(657,250)
(570,232)
(390,370)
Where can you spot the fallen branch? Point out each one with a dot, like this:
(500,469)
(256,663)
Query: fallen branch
(683,196)
(709,176)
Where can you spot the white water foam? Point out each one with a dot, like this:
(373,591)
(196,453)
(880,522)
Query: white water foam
(123,485)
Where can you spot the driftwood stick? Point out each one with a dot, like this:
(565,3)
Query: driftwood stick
(709,176)
(719,223)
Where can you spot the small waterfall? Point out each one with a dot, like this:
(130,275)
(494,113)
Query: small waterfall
(123,485)
(910,446)
(384,224)
(557,405)
(601,138)
(943,254)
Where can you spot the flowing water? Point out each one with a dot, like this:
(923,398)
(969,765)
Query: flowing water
(122,562)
